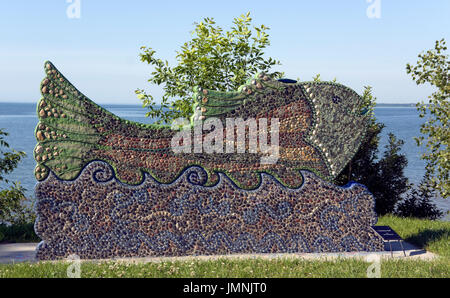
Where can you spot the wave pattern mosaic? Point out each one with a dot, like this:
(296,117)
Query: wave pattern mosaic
(114,188)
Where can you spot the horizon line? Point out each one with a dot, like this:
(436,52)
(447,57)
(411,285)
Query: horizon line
(137,104)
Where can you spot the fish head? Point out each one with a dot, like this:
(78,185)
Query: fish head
(340,119)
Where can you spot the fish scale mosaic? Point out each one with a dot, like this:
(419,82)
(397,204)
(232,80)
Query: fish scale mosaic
(108,187)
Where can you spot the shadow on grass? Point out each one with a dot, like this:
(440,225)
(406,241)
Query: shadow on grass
(428,236)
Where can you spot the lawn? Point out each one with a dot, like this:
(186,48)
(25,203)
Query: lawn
(431,235)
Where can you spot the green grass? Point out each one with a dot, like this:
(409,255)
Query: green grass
(229,268)
(432,235)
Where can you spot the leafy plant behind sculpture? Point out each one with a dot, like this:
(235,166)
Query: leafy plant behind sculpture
(212,59)
(433,68)
(12,197)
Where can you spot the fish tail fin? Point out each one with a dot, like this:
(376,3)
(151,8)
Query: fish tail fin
(66,130)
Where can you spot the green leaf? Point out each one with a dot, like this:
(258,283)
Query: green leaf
(212,58)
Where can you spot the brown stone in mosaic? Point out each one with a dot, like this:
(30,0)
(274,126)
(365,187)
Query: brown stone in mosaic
(40,136)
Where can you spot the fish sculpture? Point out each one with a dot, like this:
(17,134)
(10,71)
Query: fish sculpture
(109,187)
(321,126)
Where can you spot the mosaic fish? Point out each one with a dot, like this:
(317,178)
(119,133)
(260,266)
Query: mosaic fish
(321,126)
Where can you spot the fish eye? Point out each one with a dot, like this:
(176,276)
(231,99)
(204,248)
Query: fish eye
(336,99)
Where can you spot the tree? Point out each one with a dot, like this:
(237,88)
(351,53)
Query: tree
(8,160)
(390,183)
(212,59)
(418,202)
(12,208)
(433,68)
(383,177)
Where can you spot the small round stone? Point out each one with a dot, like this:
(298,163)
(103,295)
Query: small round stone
(39,149)
(40,136)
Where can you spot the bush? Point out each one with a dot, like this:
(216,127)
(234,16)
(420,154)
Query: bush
(18,233)
(418,202)
(389,184)
(433,67)
(213,59)
(384,177)
(13,203)
(15,208)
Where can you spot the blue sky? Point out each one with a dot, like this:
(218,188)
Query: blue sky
(99,51)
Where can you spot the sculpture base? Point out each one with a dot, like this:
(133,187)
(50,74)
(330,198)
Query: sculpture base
(96,216)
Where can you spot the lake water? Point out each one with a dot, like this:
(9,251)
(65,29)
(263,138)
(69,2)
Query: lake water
(19,120)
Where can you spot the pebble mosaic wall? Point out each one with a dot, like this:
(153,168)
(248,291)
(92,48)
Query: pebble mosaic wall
(114,188)
(96,216)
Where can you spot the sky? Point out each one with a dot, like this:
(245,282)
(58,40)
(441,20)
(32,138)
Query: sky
(98,50)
